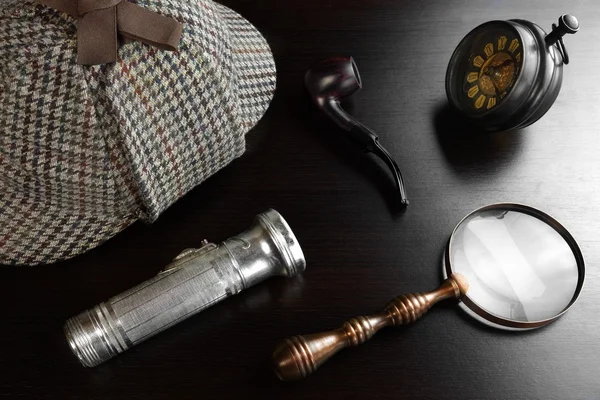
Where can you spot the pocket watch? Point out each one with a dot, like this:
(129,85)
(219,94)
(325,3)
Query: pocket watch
(507,74)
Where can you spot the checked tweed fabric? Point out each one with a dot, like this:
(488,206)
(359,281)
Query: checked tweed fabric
(86,151)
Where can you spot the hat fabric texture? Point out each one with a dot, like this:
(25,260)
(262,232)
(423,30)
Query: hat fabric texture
(86,151)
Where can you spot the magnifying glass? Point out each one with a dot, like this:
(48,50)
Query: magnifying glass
(511,266)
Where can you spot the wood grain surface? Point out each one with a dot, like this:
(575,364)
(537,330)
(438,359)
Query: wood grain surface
(361,251)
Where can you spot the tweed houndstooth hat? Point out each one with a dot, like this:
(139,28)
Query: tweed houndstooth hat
(87,150)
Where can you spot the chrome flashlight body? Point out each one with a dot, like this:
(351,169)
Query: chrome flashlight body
(194,281)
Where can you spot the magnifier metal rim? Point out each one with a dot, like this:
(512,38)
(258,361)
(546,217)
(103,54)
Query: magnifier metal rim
(503,323)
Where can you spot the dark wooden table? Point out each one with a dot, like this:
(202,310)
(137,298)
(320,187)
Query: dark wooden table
(360,251)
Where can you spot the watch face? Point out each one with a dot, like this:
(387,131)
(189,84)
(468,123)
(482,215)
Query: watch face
(486,66)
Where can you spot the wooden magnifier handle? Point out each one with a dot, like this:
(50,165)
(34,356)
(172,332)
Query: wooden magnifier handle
(299,356)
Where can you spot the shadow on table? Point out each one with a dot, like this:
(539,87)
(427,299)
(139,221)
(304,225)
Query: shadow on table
(465,146)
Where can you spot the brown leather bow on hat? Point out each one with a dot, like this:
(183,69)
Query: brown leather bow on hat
(100,21)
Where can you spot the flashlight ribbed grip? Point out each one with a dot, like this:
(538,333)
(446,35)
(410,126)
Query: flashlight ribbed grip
(128,319)
(196,280)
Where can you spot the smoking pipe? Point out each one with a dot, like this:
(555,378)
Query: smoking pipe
(331,81)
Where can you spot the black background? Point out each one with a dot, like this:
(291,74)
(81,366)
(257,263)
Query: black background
(361,252)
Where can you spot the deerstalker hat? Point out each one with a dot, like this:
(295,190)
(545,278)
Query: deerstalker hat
(86,149)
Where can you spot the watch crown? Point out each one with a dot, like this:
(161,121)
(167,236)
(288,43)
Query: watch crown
(566,24)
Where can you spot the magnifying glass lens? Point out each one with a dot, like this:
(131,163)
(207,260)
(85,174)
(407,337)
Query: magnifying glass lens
(520,265)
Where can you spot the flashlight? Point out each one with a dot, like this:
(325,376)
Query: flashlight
(194,281)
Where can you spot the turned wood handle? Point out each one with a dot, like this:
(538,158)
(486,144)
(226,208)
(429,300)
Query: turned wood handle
(299,356)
